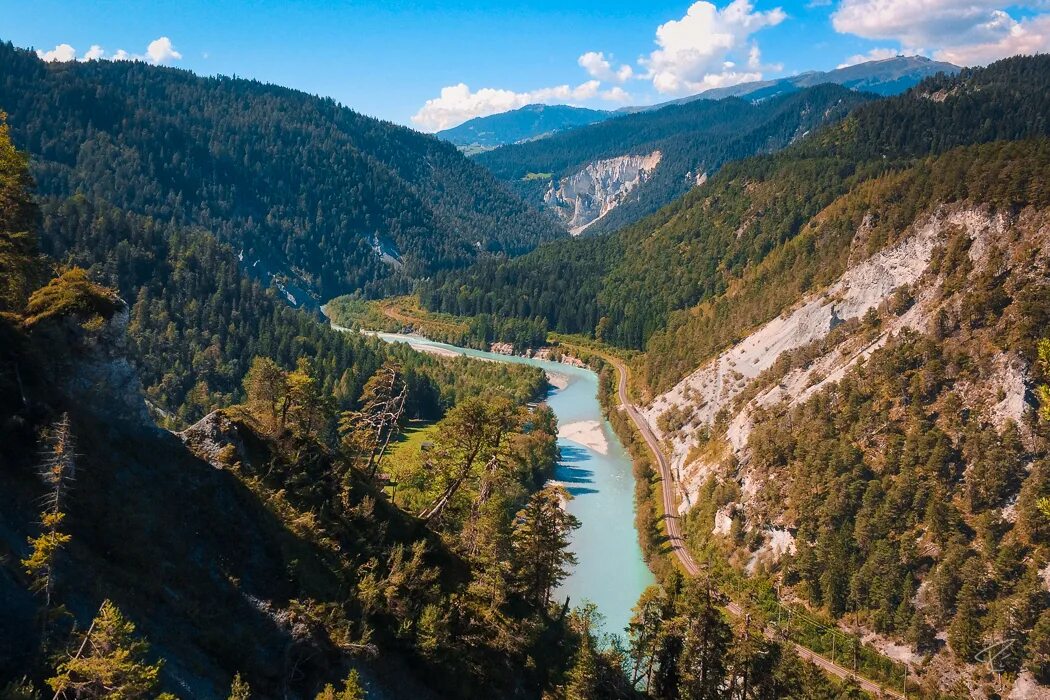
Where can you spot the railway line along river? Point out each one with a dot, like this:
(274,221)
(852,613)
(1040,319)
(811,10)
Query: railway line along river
(597,471)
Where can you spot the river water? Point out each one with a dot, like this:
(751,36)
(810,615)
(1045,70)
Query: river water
(610,570)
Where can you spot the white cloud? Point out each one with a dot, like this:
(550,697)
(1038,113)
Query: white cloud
(967,32)
(60,54)
(1028,36)
(597,66)
(160,50)
(694,51)
(878,54)
(95,53)
(616,94)
(457,103)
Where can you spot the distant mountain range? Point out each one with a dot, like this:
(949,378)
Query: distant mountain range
(606,175)
(890,76)
(529,122)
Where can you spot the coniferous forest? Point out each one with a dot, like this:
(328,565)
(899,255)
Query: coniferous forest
(827,364)
(303,188)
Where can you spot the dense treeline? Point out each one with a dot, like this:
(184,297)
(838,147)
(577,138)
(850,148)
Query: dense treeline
(197,320)
(304,188)
(623,288)
(262,549)
(403,315)
(694,138)
(924,483)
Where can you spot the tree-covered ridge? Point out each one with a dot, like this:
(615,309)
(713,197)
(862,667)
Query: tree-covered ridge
(197,319)
(528,122)
(403,315)
(1005,175)
(623,288)
(912,485)
(694,139)
(310,189)
(256,546)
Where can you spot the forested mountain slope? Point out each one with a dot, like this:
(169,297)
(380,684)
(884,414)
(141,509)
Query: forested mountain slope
(693,141)
(846,345)
(262,552)
(328,200)
(523,124)
(639,282)
(881,447)
(256,546)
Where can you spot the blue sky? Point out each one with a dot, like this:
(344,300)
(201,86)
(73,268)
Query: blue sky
(431,65)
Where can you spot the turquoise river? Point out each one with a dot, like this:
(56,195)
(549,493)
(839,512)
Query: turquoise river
(610,570)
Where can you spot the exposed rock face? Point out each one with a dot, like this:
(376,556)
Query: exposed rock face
(210,437)
(102,376)
(590,194)
(865,285)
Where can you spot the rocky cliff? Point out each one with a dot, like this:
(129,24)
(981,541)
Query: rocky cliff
(893,410)
(586,196)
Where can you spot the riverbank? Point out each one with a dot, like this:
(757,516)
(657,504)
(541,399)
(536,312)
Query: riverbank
(598,474)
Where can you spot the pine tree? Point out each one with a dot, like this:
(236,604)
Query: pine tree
(19,264)
(352,689)
(109,663)
(964,633)
(1038,648)
(57,471)
(706,646)
(265,390)
(643,633)
(1043,390)
(239,689)
(583,677)
(541,544)
(367,432)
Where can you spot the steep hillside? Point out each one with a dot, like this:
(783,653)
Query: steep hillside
(258,546)
(322,198)
(524,124)
(695,140)
(878,447)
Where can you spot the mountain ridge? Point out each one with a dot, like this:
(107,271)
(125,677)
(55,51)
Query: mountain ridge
(517,125)
(888,76)
(299,184)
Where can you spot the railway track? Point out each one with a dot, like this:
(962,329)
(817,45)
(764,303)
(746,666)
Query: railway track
(689,565)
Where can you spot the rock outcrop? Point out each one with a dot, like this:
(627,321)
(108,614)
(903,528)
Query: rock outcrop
(581,199)
(716,387)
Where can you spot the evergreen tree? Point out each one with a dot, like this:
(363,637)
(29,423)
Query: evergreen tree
(584,675)
(57,471)
(643,634)
(964,633)
(110,662)
(367,432)
(1037,651)
(239,689)
(706,646)
(351,690)
(542,559)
